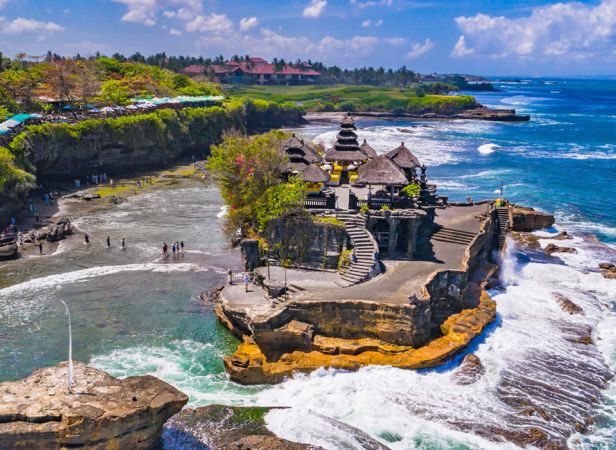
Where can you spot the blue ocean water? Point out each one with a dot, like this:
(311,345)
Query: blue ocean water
(134,313)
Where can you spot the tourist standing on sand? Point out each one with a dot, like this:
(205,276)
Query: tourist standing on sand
(86,239)
(246,281)
(123,243)
(173,249)
(40,248)
(165,249)
(108,242)
(36,217)
(182,245)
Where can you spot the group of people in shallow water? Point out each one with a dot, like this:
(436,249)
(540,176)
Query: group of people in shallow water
(86,239)
(177,247)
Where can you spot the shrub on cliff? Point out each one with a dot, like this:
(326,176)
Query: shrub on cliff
(248,172)
(15,182)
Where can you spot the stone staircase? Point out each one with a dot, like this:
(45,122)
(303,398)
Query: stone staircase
(503,224)
(453,236)
(365,248)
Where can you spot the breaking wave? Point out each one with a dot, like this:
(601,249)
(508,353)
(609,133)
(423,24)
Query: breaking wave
(487,149)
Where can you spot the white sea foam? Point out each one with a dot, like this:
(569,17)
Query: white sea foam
(186,364)
(487,149)
(419,407)
(223,212)
(83,275)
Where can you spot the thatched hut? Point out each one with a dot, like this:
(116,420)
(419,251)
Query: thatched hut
(367,150)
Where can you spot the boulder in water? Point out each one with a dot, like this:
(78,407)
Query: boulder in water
(228,427)
(59,230)
(101,412)
(470,371)
(553,248)
(563,235)
(608,270)
(567,305)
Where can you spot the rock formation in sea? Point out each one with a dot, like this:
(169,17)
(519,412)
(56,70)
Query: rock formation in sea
(101,412)
(529,219)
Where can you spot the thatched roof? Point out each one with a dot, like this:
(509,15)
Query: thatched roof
(314,174)
(367,150)
(295,147)
(347,121)
(344,155)
(381,170)
(403,157)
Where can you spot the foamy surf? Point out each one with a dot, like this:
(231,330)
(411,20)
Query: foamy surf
(531,355)
(80,276)
(487,149)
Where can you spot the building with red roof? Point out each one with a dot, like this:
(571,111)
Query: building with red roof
(256,70)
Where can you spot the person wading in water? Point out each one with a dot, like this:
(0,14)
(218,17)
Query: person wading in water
(86,238)
(123,243)
(165,250)
(108,242)
(41,248)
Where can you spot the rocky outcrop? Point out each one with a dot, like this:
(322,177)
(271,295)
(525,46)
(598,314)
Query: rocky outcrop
(553,248)
(563,235)
(249,365)
(470,371)
(102,412)
(567,305)
(59,230)
(224,427)
(608,270)
(529,219)
(301,241)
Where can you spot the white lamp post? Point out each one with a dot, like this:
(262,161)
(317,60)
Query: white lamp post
(69,381)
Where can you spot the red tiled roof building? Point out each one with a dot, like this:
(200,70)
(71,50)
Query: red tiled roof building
(256,70)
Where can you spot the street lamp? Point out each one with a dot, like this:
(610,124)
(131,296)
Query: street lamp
(69,381)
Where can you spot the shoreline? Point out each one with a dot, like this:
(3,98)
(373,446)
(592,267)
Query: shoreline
(72,204)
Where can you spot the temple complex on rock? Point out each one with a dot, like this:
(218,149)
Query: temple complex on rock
(377,269)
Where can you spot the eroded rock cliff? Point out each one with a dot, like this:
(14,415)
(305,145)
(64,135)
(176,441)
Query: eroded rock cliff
(102,412)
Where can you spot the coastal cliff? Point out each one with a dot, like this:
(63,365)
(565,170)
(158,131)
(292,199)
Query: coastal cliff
(102,412)
(123,144)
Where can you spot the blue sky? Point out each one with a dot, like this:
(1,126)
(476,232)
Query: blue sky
(524,37)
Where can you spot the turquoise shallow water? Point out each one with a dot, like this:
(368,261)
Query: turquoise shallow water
(134,313)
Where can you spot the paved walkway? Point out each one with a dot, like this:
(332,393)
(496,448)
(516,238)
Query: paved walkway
(401,277)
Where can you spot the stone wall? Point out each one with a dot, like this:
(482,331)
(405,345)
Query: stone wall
(398,324)
(304,243)
(406,229)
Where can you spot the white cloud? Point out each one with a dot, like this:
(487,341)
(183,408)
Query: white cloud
(315,9)
(378,23)
(569,30)
(366,23)
(396,41)
(418,49)
(248,22)
(370,3)
(174,32)
(145,11)
(356,46)
(209,23)
(3,3)
(21,25)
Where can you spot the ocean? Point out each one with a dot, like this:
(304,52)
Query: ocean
(134,313)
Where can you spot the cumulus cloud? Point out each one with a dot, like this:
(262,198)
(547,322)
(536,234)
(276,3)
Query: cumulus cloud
(315,8)
(209,23)
(248,22)
(570,30)
(418,49)
(174,32)
(21,25)
(145,11)
(366,23)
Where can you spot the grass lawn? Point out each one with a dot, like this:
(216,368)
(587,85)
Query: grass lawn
(353,98)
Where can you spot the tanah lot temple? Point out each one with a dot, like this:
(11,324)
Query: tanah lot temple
(353,177)
(376,269)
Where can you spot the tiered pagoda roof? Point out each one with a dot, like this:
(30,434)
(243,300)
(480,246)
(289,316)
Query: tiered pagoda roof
(382,171)
(302,159)
(346,148)
(403,157)
(367,150)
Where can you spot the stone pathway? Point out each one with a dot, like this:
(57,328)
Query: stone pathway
(364,249)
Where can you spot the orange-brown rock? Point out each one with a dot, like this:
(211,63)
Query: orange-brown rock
(529,219)
(567,305)
(470,371)
(102,412)
(248,365)
(553,248)
(608,270)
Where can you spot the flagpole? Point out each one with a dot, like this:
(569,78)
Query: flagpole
(69,381)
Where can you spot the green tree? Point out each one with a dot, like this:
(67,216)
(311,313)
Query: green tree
(245,168)
(114,92)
